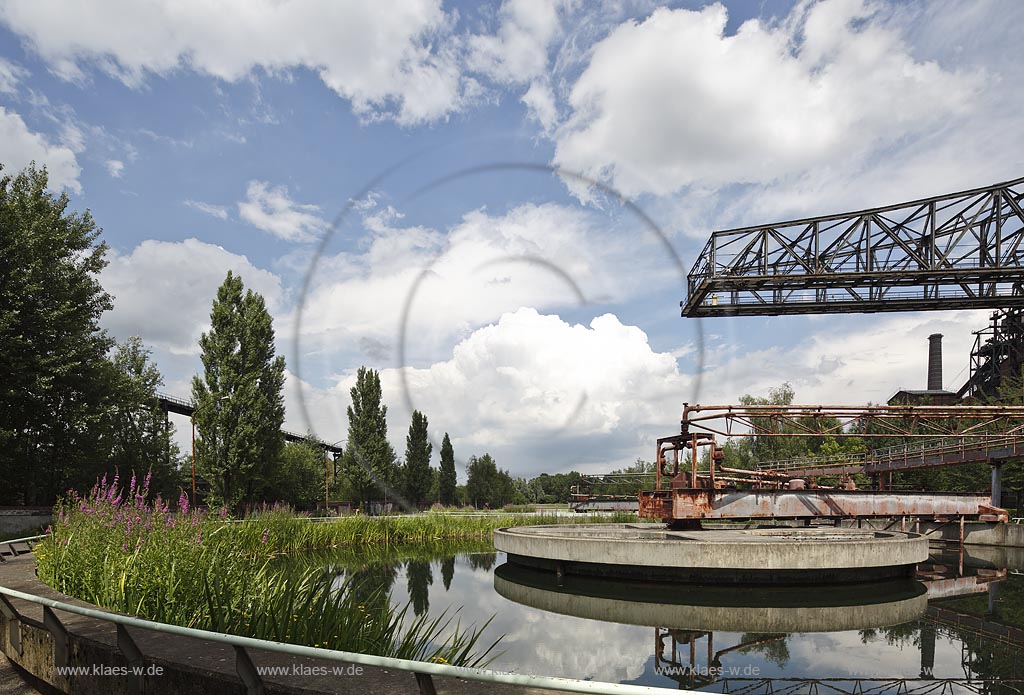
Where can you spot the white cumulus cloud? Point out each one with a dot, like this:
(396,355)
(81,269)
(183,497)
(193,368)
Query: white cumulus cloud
(674,101)
(272,210)
(10,76)
(20,146)
(115,167)
(538,393)
(387,58)
(163,291)
(518,51)
(218,211)
(453,281)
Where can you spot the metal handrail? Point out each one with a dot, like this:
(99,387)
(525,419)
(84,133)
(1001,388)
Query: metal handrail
(903,450)
(419,668)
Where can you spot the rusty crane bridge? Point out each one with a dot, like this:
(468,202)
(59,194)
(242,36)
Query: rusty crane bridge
(957,251)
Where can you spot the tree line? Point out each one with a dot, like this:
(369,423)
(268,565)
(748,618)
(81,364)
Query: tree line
(74,404)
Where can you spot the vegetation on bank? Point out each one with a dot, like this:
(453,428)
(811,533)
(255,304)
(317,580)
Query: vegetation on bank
(120,550)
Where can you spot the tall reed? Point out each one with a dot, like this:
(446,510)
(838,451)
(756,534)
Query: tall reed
(119,550)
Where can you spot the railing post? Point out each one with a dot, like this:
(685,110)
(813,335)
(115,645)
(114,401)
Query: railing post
(13,623)
(247,672)
(126,645)
(61,642)
(426,683)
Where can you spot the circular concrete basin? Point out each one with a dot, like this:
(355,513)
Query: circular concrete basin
(775,555)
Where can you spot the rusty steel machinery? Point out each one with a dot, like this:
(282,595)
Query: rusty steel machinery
(997,356)
(852,421)
(700,487)
(956,251)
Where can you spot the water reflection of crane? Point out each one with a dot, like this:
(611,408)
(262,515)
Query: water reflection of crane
(692,674)
(989,651)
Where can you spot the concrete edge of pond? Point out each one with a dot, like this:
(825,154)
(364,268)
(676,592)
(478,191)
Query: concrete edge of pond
(188,665)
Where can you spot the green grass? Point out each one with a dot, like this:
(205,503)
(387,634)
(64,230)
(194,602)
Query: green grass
(272,575)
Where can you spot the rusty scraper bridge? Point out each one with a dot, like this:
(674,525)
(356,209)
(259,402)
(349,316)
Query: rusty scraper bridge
(957,251)
(700,487)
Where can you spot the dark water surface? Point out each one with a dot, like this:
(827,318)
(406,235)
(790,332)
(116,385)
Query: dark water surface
(956,628)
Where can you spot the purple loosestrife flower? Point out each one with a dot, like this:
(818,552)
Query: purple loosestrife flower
(199,538)
(131,485)
(195,518)
(183,503)
(264,539)
(149,476)
(223,512)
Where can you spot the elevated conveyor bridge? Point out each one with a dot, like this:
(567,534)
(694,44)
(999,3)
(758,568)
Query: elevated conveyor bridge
(955,251)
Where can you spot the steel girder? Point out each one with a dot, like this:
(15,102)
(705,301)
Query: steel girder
(852,421)
(956,251)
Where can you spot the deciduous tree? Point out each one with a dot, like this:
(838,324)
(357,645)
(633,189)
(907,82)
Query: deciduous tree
(56,378)
(141,435)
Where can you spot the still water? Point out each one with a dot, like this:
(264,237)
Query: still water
(955,628)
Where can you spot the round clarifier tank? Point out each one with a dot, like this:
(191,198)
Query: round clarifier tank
(777,555)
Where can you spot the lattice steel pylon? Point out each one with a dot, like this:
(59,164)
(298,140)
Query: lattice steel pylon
(997,357)
(956,251)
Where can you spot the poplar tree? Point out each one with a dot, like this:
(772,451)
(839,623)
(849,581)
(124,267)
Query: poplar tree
(369,458)
(239,402)
(418,474)
(448,481)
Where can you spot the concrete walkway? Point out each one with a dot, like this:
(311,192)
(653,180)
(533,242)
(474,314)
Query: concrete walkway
(11,681)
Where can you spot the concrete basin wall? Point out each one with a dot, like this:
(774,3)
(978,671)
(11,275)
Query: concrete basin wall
(652,545)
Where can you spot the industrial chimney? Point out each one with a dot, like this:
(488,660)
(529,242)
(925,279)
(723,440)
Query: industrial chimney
(935,362)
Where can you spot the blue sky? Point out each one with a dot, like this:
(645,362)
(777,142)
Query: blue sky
(206,137)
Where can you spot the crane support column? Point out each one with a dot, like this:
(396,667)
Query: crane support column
(997,484)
